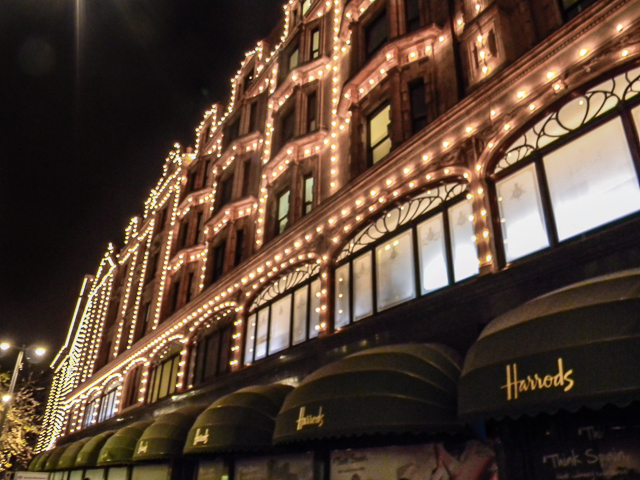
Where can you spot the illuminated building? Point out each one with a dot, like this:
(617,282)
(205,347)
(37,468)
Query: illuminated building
(390,172)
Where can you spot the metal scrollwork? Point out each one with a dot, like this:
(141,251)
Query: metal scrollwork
(285,283)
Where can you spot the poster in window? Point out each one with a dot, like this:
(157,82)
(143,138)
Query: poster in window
(286,467)
(472,460)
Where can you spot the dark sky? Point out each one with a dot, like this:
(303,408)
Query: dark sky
(80,148)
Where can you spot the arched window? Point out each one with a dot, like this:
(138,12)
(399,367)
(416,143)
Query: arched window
(416,248)
(211,351)
(573,171)
(286,313)
(164,376)
(132,387)
(109,402)
(91,410)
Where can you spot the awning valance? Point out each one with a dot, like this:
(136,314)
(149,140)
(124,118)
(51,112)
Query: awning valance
(119,448)
(243,420)
(40,461)
(572,348)
(165,438)
(68,458)
(393,389)
(88,456)
(53,460)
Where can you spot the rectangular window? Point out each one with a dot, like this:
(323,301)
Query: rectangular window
(362,287)
(282,217)
(306,5)
(232,132)
(433,255)
(190,286)
(592,180)
(145,472)
(217,270)
(246,177)
(307,195)
(376,33)
(250,340)
(226,190)
(412,11)
(239,253)
(379,135)
(463,246)
(153,267)
(315,43)
(144,314)
(314,308)
(300,300)
(225,351)
(211,354)
(248,81)
(312,112)
(175,297)
(164,379)
(133,384)
(108,406)
(198,228)
(191,182)
(280,328)
(418,100)
(343,311)
(521,214)
(205,174)
(90,413)
(288,126)
(395,275)
(294,58)
(212,470)
(182,234)
(253,117)
(261,334)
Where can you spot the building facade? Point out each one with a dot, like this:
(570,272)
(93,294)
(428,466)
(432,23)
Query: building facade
(389,173)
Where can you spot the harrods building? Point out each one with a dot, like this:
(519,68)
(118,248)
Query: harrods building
(407,249)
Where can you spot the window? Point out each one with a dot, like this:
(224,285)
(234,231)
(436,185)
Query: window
(144,314)
(574,7)
(226,189)
(284,314)
(565,187)
(412,11)
(190,286)
(282,214)
(108,405)
(376,33)
(248,81)
(418,100)
(163,379)
(379,135)
(217,261)
(288,126)
(315,43)
(133,384)
(239,253)
(153,266)
(419,247)
(212,356)
(91,412)
(205,174)
(232,132)
(312,112)
(182,234)
(306,6)
(246,177)
(175,297)
(253,117)
(294,59)
(307,194)
(198,227)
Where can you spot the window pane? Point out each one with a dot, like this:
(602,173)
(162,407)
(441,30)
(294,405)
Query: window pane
(521,214)
(465,252)
(362,287)
(293,59)
(592,180)
(213,354)
(147,472)
(306,5)
(394,271)
(342,313)
(216,470)
(280,325)
(75,475)
(173,379)
(300,299)
(94,474)
(379,140)
(165,375)
(433,256)
(315,43)
(249,341)
(376,33)
(119,473)
(261,340)
(314,308)
(283,211)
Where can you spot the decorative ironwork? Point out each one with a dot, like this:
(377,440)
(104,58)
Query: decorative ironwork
(405,213)
(285,283)
(572,116)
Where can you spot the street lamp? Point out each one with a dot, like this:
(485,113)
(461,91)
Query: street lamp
(8,397)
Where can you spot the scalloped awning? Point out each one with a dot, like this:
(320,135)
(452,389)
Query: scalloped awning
(118,449)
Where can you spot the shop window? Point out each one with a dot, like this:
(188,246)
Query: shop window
(212,356)
(284,314)
(253,117)
(108,405)
(315,43)
(548,193)
(419,247)
(212,470)
(294,59)
(239,253)
(376,33)
(418,101)
(306,6)
(132,387)
(412,12)
(312,112)
(145,472)
(379,126)
(163,379)
(282,214)
(307,194)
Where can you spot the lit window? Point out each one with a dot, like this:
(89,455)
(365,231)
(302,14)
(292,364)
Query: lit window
(282,219)
(280,328)
(307,195)
(164,379)
(379,135)
(463,248)
(315,43)
(394,266)
(306,5)
(294,59)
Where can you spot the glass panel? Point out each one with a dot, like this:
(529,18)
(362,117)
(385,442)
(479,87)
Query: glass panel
(150,472)
(521,214)
(249,341)
(212,471)
(173,379)
(75,475)
(94,474)
(314,308)
(282,467)
(315,44)
(283,211)
(394,271)
(433,256)
(280,325)
(261,340)
(300,301)
(362,287)
(164,379)
(379,140)
(465,252)
(342,313)
(592,180)
(306,5)
(118,473)
(293,59)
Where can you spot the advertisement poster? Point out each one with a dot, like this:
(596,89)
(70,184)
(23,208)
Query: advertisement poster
(472,460)
(286,467)
(589,452)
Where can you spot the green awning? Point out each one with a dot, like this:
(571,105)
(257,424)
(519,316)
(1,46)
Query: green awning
(39,462)
(118,449)
(243,420)
(53,461)
(394,389)
(165,437)
(88,456)
(68,459)
(572,348)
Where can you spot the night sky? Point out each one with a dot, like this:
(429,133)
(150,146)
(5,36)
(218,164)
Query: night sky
(82,144)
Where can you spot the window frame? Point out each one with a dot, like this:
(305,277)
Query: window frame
(278,229)
(153,396)
(380,15)
(201,347)
(369,119)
